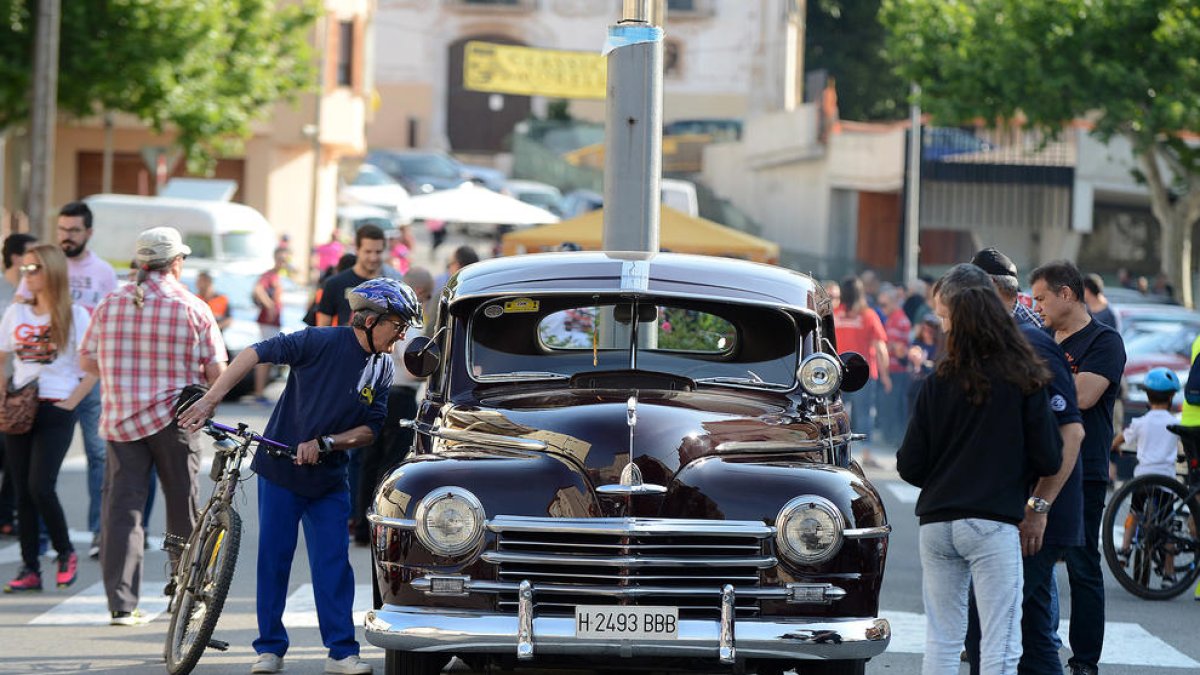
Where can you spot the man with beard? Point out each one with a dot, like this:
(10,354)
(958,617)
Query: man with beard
(369,244)
(91,279)
(336,399)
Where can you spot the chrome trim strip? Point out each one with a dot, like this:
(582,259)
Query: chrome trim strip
(394,523)
(632,526)
(480,586)
(628,561)
(769,446)
(628,490)
(484,438)
(449,631)
(867,532)
(727,654)
(525,621)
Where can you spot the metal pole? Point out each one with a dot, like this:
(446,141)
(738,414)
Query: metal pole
(633,129)
(912,219)
(43,117)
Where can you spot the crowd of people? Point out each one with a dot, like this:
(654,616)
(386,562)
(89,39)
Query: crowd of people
(71,335)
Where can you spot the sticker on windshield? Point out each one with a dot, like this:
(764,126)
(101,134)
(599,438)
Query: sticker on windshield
(493,311)
(521,305)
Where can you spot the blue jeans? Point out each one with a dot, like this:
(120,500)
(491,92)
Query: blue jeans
(1087,581)
(94,448)
(862,417)
(953,554)
(280,515)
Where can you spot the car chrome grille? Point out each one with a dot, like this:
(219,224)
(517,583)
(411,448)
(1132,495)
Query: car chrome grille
(635,561)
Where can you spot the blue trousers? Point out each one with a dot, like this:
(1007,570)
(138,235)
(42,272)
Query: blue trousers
(1087,581)
(280,514)
(95,450)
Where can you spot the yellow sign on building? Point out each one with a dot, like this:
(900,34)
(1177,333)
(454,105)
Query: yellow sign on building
(505,69)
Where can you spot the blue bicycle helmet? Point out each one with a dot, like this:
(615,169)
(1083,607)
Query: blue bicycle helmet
(1161,379)
(387,296)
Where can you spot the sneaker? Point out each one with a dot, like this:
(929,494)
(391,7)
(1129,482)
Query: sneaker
(351,664)
(1168,581)
(1082,669)
(94,548)
(169,589)
(27,580)
(67,566)
(134,618)
(1123,557)
(267,663)
(264,401)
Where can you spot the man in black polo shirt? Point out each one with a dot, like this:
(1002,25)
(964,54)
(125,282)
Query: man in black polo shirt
(1054,513)
(1096,356)
(369,244)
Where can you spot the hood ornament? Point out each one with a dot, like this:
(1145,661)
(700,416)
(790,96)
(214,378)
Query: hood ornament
(631,476)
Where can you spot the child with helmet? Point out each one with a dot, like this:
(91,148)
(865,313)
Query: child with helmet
(1157,447)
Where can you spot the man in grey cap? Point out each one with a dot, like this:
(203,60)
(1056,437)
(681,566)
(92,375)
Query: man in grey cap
(147,341)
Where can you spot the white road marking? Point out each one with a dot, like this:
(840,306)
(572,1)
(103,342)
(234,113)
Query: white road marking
(301,608)
(90,607)
(1124,643)
(12,552)
(903,491)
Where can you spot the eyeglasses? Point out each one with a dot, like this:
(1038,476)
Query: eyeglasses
(400,327)
(30,269)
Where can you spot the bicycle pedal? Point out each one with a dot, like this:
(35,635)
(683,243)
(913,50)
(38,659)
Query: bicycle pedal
(173,543)
(219,645)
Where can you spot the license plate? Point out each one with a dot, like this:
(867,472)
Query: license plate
(616,621)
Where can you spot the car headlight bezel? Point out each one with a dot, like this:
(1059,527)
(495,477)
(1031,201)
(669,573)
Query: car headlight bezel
(793,513)
(820,374)
(429,508)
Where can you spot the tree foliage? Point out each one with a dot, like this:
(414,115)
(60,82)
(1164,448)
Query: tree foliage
(201,68)
(1130,67)
(846,38)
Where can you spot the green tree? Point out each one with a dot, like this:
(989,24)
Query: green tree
(201,68)
(845,38)
(1130,67)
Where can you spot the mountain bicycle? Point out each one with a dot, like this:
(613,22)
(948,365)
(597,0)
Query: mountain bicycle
(207,558)
(1149,528)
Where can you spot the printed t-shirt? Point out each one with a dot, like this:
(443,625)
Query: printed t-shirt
(333,385)
(1064,524)
(26,336)
(859,333)
(1157,448)
(333,296)
(1098,349)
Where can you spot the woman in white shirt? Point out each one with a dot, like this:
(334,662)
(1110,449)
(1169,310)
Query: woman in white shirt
(44,336)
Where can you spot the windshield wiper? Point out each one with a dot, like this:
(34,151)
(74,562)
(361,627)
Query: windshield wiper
(754,381)
(524,374)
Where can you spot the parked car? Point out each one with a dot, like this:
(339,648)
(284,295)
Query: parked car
(677,194)
(419,171)
(536,193)
(579,202)
(640,458)
(371,186)
(1154,335)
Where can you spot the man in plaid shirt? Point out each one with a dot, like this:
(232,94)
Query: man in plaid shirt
(147,341)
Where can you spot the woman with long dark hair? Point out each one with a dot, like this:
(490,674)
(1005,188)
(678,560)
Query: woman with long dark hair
(44,337)
(981,432)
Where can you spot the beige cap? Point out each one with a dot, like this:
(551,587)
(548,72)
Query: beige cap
(160,245)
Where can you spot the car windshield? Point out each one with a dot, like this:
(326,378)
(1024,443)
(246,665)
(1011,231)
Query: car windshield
(522,338)
(245,244)
(433,166)
(369,175)
(1160,337)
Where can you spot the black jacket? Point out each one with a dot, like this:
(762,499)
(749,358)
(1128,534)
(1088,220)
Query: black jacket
(977,461)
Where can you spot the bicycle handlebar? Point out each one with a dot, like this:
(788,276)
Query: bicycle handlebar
(274,448)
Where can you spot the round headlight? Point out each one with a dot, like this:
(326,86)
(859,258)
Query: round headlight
(808,530)
(449,521)
(820,374)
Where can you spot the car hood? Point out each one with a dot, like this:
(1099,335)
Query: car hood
(672,428)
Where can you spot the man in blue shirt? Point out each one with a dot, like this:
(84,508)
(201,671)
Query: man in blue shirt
(1096,356)
(335,399)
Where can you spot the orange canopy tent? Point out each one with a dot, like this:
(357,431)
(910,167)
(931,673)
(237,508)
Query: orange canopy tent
(678,232)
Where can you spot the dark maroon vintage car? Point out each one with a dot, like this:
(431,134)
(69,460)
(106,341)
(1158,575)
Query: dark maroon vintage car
(630,461)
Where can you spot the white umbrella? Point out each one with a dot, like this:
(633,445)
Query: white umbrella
(470,204)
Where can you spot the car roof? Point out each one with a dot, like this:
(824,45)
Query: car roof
(635,274)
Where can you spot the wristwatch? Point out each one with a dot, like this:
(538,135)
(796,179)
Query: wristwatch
(1038,505)
(325,443)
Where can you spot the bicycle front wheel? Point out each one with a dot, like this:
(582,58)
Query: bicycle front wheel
(1150,540)
(200,594)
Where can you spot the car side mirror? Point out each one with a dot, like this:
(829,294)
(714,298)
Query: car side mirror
(857,371)
(422,357)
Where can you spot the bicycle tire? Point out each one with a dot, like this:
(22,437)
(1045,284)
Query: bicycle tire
(1148,553)
(211,571)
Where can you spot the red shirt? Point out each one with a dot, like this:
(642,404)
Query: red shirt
(898,330)
(147,356)
(274,286)
(859,333)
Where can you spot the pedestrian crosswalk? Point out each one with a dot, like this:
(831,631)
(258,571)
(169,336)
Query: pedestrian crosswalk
(11,553)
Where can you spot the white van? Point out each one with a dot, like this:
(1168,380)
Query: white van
(681,196)
(220,234)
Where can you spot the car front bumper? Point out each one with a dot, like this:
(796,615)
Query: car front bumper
(424,629)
